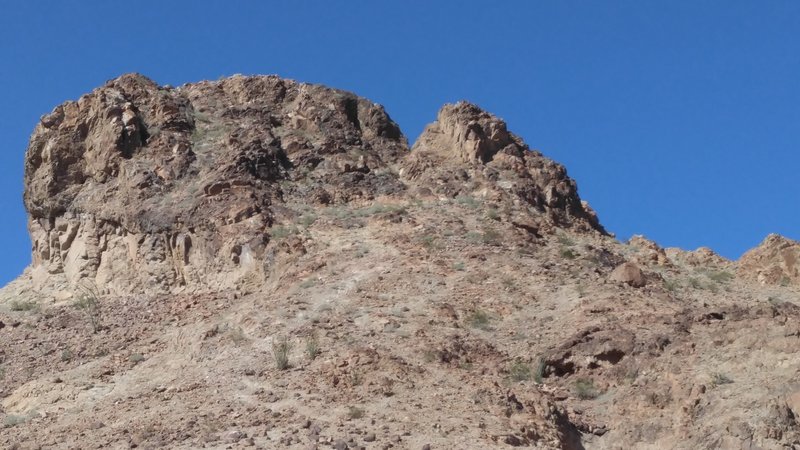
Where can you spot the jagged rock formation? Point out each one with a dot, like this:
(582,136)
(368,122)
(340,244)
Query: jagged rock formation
(775,261)
(468,150)
(137,186)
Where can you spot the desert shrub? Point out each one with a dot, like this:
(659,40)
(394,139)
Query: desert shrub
(720,378)
(307,220)
(519,371)
(312,346)
(23,305)
(585,389)
(88,302)
(13,420)
(355,412)
(567,253)
(281,347)
(460,266)
(136,358)
(565,240)
(721,276)
(538,374)
(468,201)
(66,355)
(480,320)
(492,214)
(281,232)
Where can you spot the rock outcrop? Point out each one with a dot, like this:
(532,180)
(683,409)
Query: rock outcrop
(138,186)
(468,150)
(775,261)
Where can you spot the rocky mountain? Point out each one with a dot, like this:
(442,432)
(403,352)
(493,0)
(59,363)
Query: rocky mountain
(257,262)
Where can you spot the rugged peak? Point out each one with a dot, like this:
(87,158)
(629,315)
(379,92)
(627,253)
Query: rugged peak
(472,134)
(776,260)
(468,150)
(136,184)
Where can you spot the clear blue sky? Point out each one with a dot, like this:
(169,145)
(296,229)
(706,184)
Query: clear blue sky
(680,120)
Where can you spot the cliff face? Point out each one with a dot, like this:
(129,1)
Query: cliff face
(138,187)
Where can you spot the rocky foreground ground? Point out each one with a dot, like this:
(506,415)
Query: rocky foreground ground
(261,263)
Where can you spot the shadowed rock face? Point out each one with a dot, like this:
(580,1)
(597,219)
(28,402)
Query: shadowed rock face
(138,186)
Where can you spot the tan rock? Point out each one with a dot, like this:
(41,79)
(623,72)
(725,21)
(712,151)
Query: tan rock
(775,261)
(628,273)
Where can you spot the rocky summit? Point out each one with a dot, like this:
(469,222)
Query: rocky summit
(260,263)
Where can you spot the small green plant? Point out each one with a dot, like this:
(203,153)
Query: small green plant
(307,220)
(23,305)
(492,214)
(136,358)
(721,276)
(565,240)
(308,283)
(2,373)
(13,420)
(459,266)
(519,371)
(491,237)
(88,303)
(538,374)
(567,253)
(281,347)
(719,379)
(354,413)
(281,232)
(237,335)
(581,290)
(671,285)
(312,346)
(585,389)
(66,355)
(428,241)
(469,202)
(480,320)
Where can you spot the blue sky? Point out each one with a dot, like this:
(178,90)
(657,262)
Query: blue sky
(680,120)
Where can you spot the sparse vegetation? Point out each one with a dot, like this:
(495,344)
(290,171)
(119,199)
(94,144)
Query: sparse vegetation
(23,305)
(492,214)
(567,253)
(480,320)
(459,266)
(66,355)
(565,240)
(468,201)
(136,358)
(281,347)
(519,371)
(312,346)
(308,283)
(671,285)
(720,277)
(306,220)
(720,378)
(538,374)
(237,335)
(13,420)
(282,232)
(585,389)
(88,303)
(355,412)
